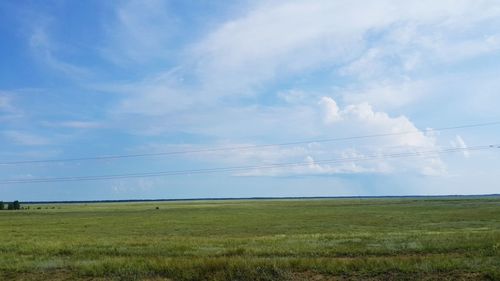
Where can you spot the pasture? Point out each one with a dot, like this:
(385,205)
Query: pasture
(323,239)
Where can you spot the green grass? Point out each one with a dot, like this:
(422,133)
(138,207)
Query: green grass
(333,239)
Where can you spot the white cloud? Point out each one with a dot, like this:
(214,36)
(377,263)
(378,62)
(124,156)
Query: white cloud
(272,40)
(455,50)
(380,42)
(381,46)
(388,94)
(408,47)
(6,103)
(351,120)
(75,124)
(354,66)
(331,109)
(25,138)
(280,38)
(81,124)
(140,32)
(460,143)
(8,109)
(362,116)
(293,96)
(155,96)
(45,49)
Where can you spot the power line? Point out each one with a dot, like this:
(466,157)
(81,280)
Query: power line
(427,153)
(248,147)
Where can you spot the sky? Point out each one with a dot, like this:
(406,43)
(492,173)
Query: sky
(100,78)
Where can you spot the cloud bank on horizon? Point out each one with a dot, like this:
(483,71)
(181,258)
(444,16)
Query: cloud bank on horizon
(102,78)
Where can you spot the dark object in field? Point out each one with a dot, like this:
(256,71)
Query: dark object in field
(157,208)
(14,206)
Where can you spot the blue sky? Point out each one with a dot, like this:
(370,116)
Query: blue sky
(92,78)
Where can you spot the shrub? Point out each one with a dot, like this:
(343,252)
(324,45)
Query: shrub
(2,206)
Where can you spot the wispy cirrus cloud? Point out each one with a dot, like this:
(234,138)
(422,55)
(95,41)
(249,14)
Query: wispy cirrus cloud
(139,32)
(6,103)
(25,138)
(278,39)
(144,76)
(8,110)
(285,70)
(275,41)
(46,50)
(75,124)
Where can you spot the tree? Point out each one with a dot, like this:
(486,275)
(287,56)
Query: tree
(2,206)
(10,206)
(17,205)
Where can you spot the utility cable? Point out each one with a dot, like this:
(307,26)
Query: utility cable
(426,153)
(235,148)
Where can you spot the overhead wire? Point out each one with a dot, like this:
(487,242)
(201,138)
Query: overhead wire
(426,153)
(235,148)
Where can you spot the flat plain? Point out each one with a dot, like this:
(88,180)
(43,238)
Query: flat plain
(323,239)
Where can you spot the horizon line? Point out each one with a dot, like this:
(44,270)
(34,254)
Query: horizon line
(255,198)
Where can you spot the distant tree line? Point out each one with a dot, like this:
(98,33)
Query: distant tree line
(11,205)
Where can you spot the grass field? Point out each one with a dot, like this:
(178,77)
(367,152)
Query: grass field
(331,239)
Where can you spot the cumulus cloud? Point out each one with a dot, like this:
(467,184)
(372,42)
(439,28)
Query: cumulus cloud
(350,157)
(363,116)
(331,110)
(223,84)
